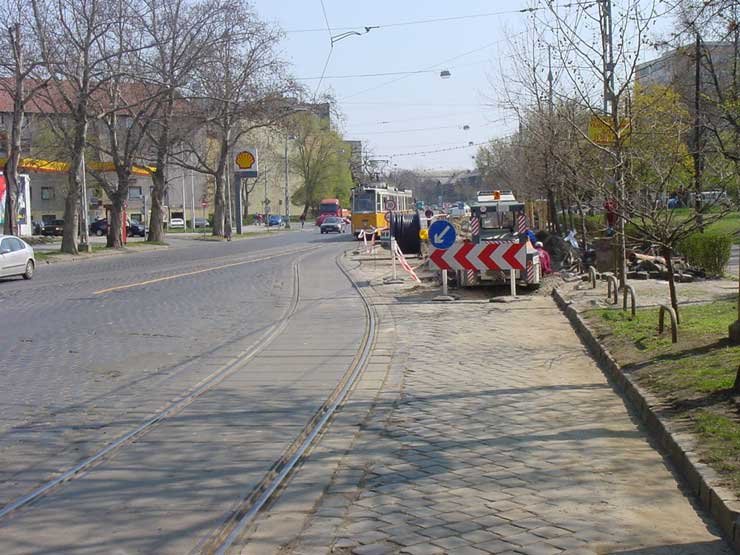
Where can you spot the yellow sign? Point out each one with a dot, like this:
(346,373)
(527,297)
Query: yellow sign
(245,160)
(424,234)
(601,132)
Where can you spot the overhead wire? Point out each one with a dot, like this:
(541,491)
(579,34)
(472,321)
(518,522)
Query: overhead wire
(433,66)
(331,49)
(443,19)
(435,151)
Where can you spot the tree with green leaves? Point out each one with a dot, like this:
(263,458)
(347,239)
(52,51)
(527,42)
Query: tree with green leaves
(321,159)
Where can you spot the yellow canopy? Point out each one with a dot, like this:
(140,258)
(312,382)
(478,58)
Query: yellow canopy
(51,166)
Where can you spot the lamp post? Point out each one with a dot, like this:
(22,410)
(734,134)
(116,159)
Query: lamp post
(287,201)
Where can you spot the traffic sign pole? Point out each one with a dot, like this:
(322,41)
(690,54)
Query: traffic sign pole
(512,276)
(445,296)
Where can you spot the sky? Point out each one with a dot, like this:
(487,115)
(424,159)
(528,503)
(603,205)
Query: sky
(396,115)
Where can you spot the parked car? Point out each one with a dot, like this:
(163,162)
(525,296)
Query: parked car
(200,222)
(177,223)
(275,220)
(55,227)
(99,227)
(16,257)
(332,224)
(135,229)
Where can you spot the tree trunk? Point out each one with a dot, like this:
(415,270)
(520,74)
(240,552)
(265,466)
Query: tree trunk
(156,225)
(115,223)
(584,229)
(14,146)
(71,201)
(554,216)
(736,387)
(10,188)
(218,206)
(667,252)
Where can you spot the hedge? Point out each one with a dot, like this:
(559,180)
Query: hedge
(710,251)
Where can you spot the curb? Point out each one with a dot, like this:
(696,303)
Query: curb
(698,477)
(62,259)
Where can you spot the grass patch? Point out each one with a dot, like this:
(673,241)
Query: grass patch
(728,225)
(136,244)
(721,436)
(694,377)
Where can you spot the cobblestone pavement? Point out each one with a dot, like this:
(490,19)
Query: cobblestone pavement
(78,369)
(504,438)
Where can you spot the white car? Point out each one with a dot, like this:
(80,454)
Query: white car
(16,257)
(177,223)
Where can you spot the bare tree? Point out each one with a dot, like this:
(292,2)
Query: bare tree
(183,35)
(240,87)
(126,106)
(598,48)
(71,36)
(18,70)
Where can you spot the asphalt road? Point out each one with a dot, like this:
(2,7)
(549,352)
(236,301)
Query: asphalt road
(89,350)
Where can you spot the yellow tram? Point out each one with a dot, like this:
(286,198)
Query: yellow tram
(371,202)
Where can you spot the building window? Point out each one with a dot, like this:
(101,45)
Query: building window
(47,193)
(134,193)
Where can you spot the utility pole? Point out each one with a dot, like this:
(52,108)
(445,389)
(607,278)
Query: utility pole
(555,220)
(192,198)
(698,139)
(84,205)
(184,218)
(287,202)
(611,112)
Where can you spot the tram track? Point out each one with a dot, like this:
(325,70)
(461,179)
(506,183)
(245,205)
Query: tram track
(249,508)
(246,507)
(206,384)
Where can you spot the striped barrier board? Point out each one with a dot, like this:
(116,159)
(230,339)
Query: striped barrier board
(482,257)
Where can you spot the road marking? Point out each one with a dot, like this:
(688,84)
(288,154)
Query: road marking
(195,272)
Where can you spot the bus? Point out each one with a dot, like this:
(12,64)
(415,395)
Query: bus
(328,207)
(371,202)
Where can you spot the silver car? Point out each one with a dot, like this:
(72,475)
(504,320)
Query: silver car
(16,257)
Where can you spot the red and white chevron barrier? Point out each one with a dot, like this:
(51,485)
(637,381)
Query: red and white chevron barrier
(482,256)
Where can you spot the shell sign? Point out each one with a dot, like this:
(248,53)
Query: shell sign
(245,163)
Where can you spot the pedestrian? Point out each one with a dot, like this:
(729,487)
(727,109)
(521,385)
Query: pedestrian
(227,231)
(610,206)
(545,263)
(302,218)
(531,236)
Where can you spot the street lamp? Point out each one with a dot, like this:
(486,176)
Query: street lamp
(288,137)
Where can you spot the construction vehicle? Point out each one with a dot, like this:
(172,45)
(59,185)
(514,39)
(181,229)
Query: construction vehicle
(496,216)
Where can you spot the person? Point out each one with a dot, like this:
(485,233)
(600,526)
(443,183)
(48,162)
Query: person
(545,263)
(610,206)
(531,236)
(302,218)
(227,231)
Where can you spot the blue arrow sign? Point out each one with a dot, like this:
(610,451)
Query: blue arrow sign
(442,234)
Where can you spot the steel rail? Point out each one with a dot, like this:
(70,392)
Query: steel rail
(264,492)
(202,387)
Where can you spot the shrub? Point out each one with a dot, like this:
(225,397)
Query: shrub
(710,251)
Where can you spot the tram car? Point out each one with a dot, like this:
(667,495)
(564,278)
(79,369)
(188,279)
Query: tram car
(371,202)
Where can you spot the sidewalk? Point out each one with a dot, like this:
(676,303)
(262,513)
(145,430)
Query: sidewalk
(504,437)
